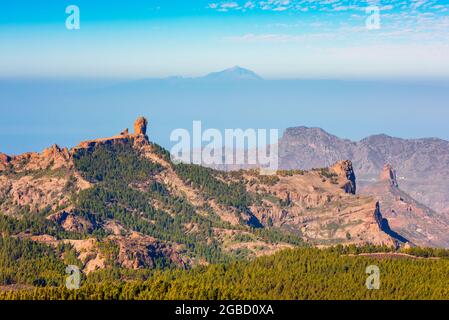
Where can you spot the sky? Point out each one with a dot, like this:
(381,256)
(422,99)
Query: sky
(276,38)
(64,86)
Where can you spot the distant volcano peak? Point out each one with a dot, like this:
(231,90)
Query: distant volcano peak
(234,73)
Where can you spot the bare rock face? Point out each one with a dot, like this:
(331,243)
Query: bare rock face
(412,219)
(344,169)
(52,158)
(320,209)
(72,222)
(385,226)
(138,251)
(4,160)
(140,126)
(58,157)
(37,181)
(389,174)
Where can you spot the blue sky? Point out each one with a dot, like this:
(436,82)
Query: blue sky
(276,38)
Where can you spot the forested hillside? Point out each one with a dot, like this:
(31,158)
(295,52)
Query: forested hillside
(306,273)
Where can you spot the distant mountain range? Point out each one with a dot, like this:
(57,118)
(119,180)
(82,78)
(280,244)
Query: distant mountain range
(235,73)
(422,165)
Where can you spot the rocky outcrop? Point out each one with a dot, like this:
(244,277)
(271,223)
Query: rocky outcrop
(52,158)
(137,251)
(92,144)
(412,219)
(389,174)
(309,199)
(345,170)
(35,194)
(38,181)
(318,206)
(70,221)
(4,158)
(385,226)
(4,161)
(140,126)
(139,137)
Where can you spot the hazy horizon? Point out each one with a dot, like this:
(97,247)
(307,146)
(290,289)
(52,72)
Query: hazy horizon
(40,113)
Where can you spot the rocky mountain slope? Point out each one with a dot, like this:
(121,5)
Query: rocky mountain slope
(422,165)
(120,201)
(413,220)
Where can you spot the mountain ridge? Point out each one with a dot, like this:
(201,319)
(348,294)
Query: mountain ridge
(422,164)
(123,194)
(235,73)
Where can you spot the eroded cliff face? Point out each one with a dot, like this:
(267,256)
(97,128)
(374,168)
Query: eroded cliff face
(140,126)
(4,161)
(384,225)
(345,170)
(137,251)
(39,181)
(322,209)
(413,220)
(388,175)
(318,206)
(70,220)
(51,158)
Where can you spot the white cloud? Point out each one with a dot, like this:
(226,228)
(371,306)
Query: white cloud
(224,6)
(328,5)
(249,5)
